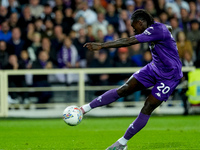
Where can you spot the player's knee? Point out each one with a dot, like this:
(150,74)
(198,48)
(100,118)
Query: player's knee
(123,90)
(148,108)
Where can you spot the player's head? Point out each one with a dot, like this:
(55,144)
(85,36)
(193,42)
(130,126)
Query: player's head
(140,20)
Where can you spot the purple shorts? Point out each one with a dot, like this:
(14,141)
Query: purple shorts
(163,87)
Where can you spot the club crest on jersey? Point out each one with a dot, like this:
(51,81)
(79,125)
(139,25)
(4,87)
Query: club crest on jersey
(152,45)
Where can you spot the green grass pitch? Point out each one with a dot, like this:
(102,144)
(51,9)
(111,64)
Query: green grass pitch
(161,133)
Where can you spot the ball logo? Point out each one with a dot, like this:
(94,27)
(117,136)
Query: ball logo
(67,116)
(79,117)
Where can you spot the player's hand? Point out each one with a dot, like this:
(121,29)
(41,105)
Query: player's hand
(93,46)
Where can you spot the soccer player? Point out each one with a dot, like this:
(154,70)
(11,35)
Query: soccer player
(163,72)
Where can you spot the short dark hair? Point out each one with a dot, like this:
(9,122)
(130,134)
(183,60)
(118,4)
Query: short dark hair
(142,14)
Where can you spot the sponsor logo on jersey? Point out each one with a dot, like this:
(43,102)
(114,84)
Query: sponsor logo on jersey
(158,94)
(147,32)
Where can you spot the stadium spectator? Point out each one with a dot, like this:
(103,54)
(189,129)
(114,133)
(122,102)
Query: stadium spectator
(13,62)
(13,20)
(4,55)
(49,29)
(35,8)
(122,21)
(16,43)
(147,57)
(119,6)
(139,4)
(183,44)
(46,46)
(177,5)
(184,21)
(100,24)
(68,55)
(194,35)
(110,35)
(58,39)
(163,18)
(170,12)
(69,4)
(25,19)
(111,16)
(97,7)
(120,79)
(24,60)
(150,7)
(16,81)
(175,27)
(136,54)
(30,32)
(5,33)
(198,8)
(100,36)
(129,28)
(42,80)
(59,20)
(33,50)
(90,34)
(130,7)
(122,61)
(39,26)
(78,43)
(68,58)
(187,59)
(68,18)
(3,14)
(47,13)
(89,15)
(193,11)
(160,6)
(79,24)
(72,34)
(13,7)
(101,61)
(59,6)
(42,62)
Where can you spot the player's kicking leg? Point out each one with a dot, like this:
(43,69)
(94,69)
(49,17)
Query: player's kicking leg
(150,104)
(110,96)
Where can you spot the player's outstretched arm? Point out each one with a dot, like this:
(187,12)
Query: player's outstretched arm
(122,42)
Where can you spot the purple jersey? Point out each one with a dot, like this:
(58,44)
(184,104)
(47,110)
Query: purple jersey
(166,62)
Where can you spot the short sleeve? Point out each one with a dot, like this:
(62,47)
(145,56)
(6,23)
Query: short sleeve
(151,34)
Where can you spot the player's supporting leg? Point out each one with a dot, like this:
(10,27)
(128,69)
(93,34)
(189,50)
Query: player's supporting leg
(150,104)
(110,96)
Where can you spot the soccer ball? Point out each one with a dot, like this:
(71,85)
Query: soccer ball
(72,115)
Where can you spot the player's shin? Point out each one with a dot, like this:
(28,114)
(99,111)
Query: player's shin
(134,127)
(105,99)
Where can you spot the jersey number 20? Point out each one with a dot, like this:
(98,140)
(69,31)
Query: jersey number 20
(163,88)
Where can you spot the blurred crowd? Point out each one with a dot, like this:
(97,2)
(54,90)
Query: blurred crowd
(45,34)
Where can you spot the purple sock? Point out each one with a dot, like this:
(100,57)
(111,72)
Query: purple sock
(105,99)
(136,126)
